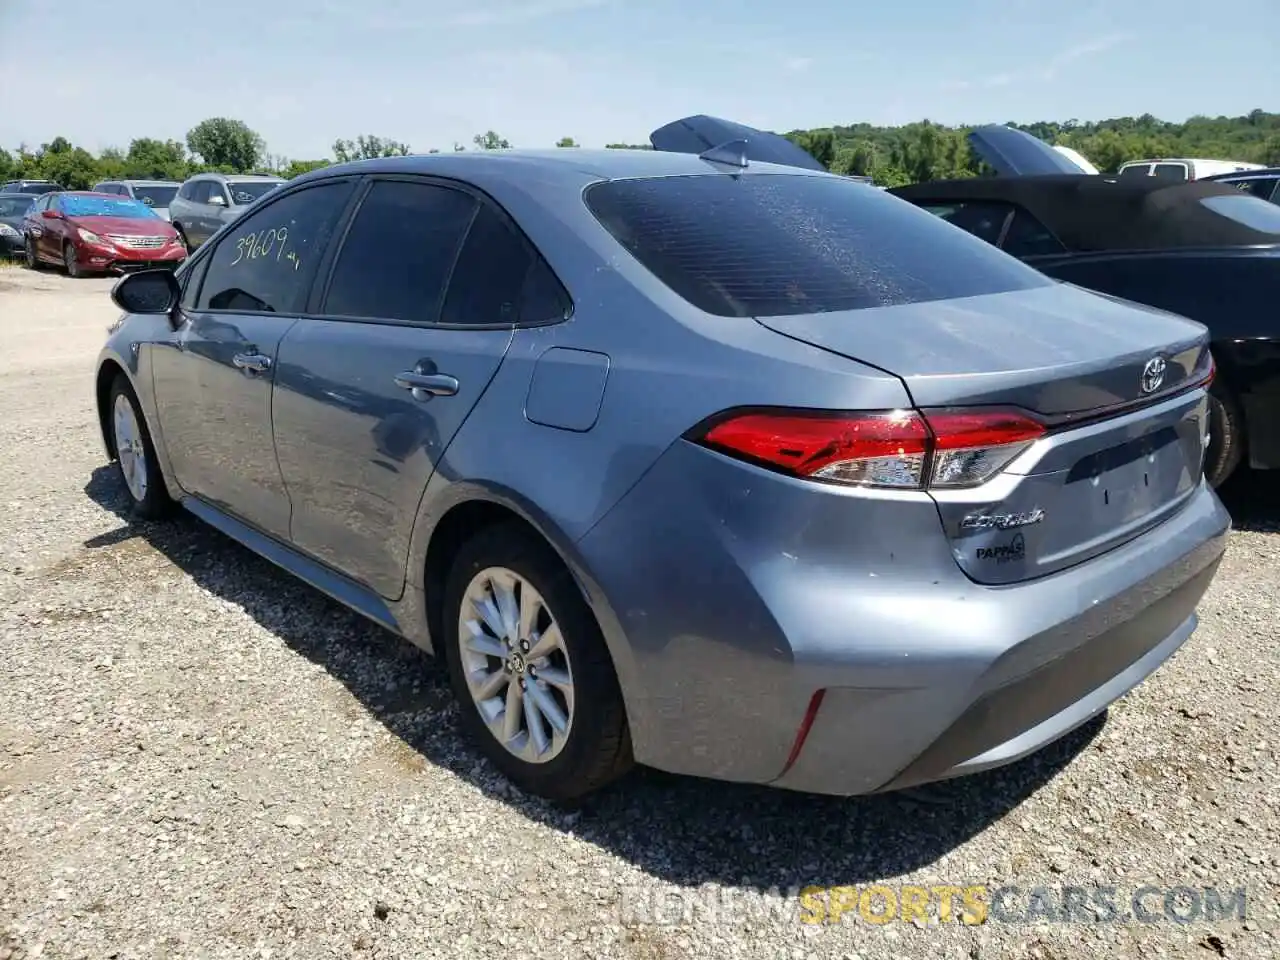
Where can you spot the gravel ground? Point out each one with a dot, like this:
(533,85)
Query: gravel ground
(202,758)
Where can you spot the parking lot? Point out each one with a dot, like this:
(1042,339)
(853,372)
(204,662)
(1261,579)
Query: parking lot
(200,756)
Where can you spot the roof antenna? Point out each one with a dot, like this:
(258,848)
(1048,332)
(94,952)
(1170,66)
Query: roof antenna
(733,153)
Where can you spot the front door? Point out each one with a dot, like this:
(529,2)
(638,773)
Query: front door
(213,380)
(370,394)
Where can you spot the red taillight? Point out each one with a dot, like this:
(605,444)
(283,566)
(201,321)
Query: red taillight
(904,449)
(1213,371)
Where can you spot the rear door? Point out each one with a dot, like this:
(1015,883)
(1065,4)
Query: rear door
(413,323)
(213,379)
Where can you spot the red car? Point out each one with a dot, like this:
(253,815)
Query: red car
(98,233)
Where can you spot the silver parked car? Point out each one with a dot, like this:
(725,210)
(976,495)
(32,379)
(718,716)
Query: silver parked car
(156,194)
(208,200)
(729,468)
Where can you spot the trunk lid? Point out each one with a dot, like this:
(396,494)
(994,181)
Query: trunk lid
(1014,153)
(1110,378)
(698,134)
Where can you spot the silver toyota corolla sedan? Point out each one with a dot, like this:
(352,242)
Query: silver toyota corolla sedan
(732,469)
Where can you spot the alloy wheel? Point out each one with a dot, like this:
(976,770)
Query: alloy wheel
(516,665)
(130,449)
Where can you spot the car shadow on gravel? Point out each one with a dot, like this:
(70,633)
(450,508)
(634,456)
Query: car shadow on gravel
(683,830)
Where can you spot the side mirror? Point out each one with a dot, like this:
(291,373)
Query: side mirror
(153,292)
(51,214)
(218,200)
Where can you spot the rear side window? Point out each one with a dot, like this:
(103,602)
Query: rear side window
(399,252)
(1170,171)
(776,245)
(1025,236)
(499,278)
(983,218)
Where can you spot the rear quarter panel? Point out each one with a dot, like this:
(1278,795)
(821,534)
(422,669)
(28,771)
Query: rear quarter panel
(1234,292)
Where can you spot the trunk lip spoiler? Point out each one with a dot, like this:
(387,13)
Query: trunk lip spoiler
(1200,379)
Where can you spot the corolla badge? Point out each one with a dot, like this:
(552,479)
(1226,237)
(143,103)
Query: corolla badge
(1001,521)
(1152,375)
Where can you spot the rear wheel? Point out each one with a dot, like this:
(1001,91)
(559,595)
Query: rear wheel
(531,671)
(1226,436)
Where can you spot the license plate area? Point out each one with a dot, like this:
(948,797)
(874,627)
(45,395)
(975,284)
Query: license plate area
(1135,477)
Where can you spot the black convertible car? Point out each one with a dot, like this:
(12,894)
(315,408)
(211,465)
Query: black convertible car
(1203,250)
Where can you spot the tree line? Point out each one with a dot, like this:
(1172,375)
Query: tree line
(892,156)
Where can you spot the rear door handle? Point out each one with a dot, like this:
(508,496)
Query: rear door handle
(256,362)
(427,385)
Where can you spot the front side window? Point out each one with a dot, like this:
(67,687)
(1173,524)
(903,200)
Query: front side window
(266,264)
(399,252)
(777,244)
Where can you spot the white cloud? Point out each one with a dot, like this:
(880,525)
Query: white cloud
(798,64)
(1080,51)
(522,12)
(1049,70)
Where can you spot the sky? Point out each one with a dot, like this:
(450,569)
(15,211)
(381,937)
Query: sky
(430,73)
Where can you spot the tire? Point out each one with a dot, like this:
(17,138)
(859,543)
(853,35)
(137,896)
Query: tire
(139,475)
(1226,436)
(71,262)
(596,746)
(33,261)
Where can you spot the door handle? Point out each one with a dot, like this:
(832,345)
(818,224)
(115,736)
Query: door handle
(255,362)
(427,385)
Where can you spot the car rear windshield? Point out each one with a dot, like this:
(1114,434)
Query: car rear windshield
(767,245)
(1254,212)
(247,191)
(155,196)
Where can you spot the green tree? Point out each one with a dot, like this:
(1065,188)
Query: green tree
(368,147)
(73,167)
(566,142)
(296,168)
(152,159)
(228,144)
(490,141)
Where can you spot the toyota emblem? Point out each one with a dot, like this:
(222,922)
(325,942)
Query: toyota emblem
(1153,375)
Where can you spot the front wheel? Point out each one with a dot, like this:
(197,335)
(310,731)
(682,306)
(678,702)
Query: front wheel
(1226,436)
(29,250)
(71,261)
(530,668)
(136,454)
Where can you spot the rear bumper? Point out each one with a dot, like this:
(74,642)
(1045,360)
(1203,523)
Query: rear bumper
(730,597)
